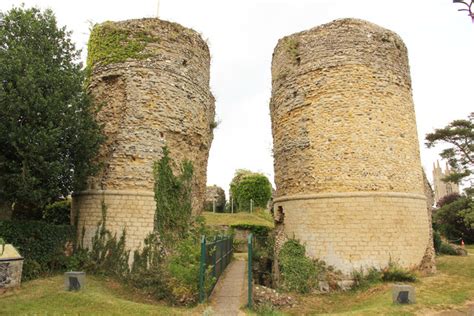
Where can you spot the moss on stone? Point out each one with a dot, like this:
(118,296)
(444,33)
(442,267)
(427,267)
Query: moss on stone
(112,43)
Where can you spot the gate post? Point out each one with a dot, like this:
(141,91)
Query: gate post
(202,270)
(250,251)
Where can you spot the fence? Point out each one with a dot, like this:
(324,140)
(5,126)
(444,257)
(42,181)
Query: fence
(216,255)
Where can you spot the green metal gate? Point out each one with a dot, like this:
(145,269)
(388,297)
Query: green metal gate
(215,255)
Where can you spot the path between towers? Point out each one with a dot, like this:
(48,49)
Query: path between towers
(230,292)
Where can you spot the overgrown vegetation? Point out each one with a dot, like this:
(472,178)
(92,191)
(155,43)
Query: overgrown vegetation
(246,186)
(298,272)
(42,245)
(48,134)
(58,213)
(292,45)
(455,220)
(167,266)
(173,198)
(110,42)
(392,273)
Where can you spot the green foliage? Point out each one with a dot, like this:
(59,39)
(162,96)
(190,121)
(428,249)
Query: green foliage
(298,272)
(108,255)
(447,249)
(58,213)
(257,230)
(246,186)
(364,280)
(456,219)
(2,244)
(292,45)
(394,273)
(110,42)
(173,199)
(48,136)
(450,198)
(41,244)
(183,268)
(437,241)
(459,135)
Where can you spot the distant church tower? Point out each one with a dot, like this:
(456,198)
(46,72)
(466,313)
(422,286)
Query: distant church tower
(442,188)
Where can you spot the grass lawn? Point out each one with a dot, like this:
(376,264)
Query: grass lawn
(259,217)
(100,297)
(450,288)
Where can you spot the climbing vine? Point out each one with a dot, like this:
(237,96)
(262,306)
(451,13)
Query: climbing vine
(173,198)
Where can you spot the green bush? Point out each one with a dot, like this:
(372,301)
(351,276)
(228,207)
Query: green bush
(364,280)
(298,272)
(447,249)
(394,273)
(455,220)
(246,186)
(437,241)
(58,213)
(41,244)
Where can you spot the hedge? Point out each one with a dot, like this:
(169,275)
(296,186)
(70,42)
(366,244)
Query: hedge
(41,244)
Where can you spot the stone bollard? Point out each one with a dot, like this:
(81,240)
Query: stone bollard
(403,294)
(74,280)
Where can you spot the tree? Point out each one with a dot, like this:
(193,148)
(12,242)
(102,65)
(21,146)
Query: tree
(48,135)
(459,135)
(455,220)
(469,7)
(246,186)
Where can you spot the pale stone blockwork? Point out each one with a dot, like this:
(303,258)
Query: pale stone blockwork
(133,211)
(159,99)
(346,151)
(359,230)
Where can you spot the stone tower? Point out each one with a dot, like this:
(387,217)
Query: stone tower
(151,78)
(346,155)
(442,188)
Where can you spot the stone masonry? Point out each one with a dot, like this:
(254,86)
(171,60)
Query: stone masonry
(347,162)
(159,97)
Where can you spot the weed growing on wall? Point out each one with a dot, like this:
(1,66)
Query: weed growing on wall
(173,199)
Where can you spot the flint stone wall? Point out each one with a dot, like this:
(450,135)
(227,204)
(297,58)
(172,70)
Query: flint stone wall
(147,103)
(346,156)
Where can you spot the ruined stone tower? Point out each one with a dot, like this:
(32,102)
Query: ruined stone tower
(347,164)
(151,78)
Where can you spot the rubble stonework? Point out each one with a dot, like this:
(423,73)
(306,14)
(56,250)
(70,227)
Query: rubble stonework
(159,96)
(346,153)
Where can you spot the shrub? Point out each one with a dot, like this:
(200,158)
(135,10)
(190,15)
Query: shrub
(41,244)
(394,273)
(58,213)
(456,219)
(246,186)
(298,272)
(364,280)
(437,241)
(447,249)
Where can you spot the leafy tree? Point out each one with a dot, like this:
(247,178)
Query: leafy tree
(469,7)
(459,135)
(247,185)
(48,136)
(456,219)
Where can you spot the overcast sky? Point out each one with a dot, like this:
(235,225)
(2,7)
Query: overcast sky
(242,35)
